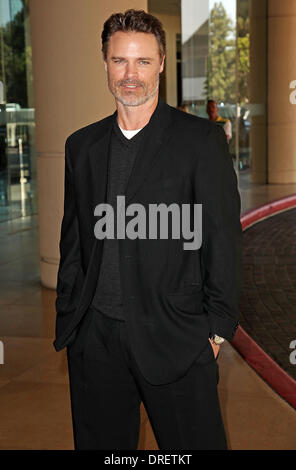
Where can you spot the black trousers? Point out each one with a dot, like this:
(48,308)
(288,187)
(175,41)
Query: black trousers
(107,387)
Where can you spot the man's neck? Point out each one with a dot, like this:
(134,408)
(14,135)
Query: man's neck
(135,117)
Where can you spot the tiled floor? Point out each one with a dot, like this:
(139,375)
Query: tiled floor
(34,389)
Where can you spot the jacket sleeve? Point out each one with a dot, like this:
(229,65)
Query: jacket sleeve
(69,272)
(221,248)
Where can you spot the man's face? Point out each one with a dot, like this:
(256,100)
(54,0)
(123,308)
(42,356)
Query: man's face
(212,110)
(133,66)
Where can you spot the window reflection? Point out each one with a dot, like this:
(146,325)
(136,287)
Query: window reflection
(219,48)
(17,120)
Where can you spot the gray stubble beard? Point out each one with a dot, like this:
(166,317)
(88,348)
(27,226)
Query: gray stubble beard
(140,101)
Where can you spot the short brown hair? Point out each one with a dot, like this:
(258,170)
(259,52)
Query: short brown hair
(133,20)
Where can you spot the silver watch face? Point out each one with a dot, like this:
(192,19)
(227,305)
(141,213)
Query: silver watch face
(218,339)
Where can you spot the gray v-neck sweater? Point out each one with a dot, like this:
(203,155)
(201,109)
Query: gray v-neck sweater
(123,152)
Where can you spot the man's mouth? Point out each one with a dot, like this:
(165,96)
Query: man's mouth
(130,86)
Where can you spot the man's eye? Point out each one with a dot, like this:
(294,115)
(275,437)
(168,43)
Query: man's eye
(145,62)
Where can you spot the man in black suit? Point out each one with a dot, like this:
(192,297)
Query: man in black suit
(142,316)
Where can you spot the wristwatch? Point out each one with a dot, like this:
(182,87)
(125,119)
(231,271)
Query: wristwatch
(217,339)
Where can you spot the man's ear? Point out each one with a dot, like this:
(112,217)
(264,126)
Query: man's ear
(162,64)
(105,65)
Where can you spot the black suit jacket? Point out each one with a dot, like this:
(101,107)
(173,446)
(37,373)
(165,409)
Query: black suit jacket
(173,298)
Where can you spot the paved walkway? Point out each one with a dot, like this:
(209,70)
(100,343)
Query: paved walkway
(268,302)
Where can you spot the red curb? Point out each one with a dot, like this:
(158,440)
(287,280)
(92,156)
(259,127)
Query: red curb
(266,367)
(252,216)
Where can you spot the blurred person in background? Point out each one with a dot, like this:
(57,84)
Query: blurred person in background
(212,110)
(183,108)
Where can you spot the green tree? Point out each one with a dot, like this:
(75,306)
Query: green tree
(220,81)
(14,56)
(243,67)
(221,73)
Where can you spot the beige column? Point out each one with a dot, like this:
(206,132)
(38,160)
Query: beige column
(70,92)
(281,71)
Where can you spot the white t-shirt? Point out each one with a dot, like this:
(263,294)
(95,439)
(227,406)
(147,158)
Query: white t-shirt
(130,134)
(228,129)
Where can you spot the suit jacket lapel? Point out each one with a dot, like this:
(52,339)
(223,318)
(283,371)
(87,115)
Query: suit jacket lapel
(99,161)
(155,137)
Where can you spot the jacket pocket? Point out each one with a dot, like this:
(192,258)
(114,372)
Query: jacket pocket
(183,271)
(186,301)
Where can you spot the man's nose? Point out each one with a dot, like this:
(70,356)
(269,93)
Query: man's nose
(131,70)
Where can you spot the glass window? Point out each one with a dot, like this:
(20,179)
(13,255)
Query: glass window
(17,120)
(220,50)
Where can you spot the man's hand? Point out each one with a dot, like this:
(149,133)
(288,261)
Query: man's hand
(215,347)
